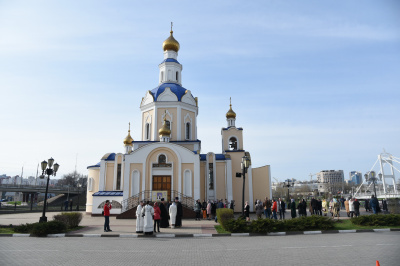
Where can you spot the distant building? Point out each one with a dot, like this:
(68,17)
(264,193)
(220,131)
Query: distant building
(356,177)
(330,181)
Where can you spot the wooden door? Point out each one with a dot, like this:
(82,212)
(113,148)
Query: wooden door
(162,183)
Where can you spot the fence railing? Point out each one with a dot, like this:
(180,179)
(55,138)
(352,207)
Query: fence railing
(146,195)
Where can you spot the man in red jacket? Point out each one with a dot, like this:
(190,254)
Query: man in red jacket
(107,208)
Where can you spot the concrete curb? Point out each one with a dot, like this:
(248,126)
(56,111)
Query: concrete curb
(213,235)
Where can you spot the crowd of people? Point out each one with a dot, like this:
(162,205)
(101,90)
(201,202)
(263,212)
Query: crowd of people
(150,217)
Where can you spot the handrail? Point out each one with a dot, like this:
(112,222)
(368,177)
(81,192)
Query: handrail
(146,195)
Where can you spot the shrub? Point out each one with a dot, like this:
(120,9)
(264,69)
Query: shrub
(236,226)
(70,219)
(377,220)
(270,225)
(224,215)
(266,225)
(309,223)
(23,228)
(52,227)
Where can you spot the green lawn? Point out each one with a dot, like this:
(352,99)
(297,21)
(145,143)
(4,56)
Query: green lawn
(220,230)
(6,231)
(339,225)
(347,225)
(11,230)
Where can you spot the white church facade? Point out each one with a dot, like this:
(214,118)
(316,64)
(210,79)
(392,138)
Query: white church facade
(168,160)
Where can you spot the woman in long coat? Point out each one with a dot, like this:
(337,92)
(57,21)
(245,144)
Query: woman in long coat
(148,212)
(209,210)
(293,208)
(325,207)
(157,217)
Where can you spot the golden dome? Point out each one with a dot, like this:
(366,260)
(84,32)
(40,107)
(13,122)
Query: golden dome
(170,43)
(128,140)
(164,131)
(230,113)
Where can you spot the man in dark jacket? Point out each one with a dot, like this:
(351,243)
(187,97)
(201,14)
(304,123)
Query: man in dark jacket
(374,204)
(356,205)
(314,205)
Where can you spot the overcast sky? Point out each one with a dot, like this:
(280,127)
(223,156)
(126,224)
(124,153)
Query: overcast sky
(315,84)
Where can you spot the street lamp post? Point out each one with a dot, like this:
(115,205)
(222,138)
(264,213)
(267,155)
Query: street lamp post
(78,185)
(245,165)
(288,185)
(373,178)
(50,170)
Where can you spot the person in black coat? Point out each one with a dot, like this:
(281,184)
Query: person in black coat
(304,207)
(179,213)
(164,223)
(314,205)
(319,207)
(293,209)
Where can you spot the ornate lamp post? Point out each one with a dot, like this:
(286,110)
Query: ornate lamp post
(78,185)
(373,178)
(245,165)
(47,169)
(288,184)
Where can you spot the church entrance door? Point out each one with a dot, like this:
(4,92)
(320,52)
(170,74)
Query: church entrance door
(162,183)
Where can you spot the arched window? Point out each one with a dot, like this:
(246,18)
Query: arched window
(188,184)
(90,184)
(232,144)
(177,76)
(162,76)
(168,124)
(187,129)
(147,131)
(210,176)
(162,159)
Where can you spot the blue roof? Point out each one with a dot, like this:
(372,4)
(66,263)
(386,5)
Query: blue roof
(178,90)
(218,157)
(92,166)
(227,128)
(170,60)
(109,193)
(111,157)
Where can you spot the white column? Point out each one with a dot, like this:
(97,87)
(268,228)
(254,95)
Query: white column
(102,177)
(250,178)
(179,123)
(196,178)
(229,177)
(126,180)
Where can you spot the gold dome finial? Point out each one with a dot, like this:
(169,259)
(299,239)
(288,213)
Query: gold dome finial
(230,113)
(170,43)
(164,130)
(128,140)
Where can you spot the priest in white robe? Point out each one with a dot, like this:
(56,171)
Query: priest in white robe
(139,218)
(172,214)
(148,212)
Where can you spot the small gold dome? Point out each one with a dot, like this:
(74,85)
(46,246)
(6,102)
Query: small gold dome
(164,131)
(171,44)
(230,113)
(128,140)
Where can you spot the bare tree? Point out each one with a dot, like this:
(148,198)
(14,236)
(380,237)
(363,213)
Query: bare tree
(73,179)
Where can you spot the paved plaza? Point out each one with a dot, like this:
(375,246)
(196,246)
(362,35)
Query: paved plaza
(336,249)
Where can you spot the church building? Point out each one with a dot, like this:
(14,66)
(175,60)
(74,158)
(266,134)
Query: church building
(168,161)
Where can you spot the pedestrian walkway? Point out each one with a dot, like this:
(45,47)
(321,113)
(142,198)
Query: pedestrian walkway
(94,225)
